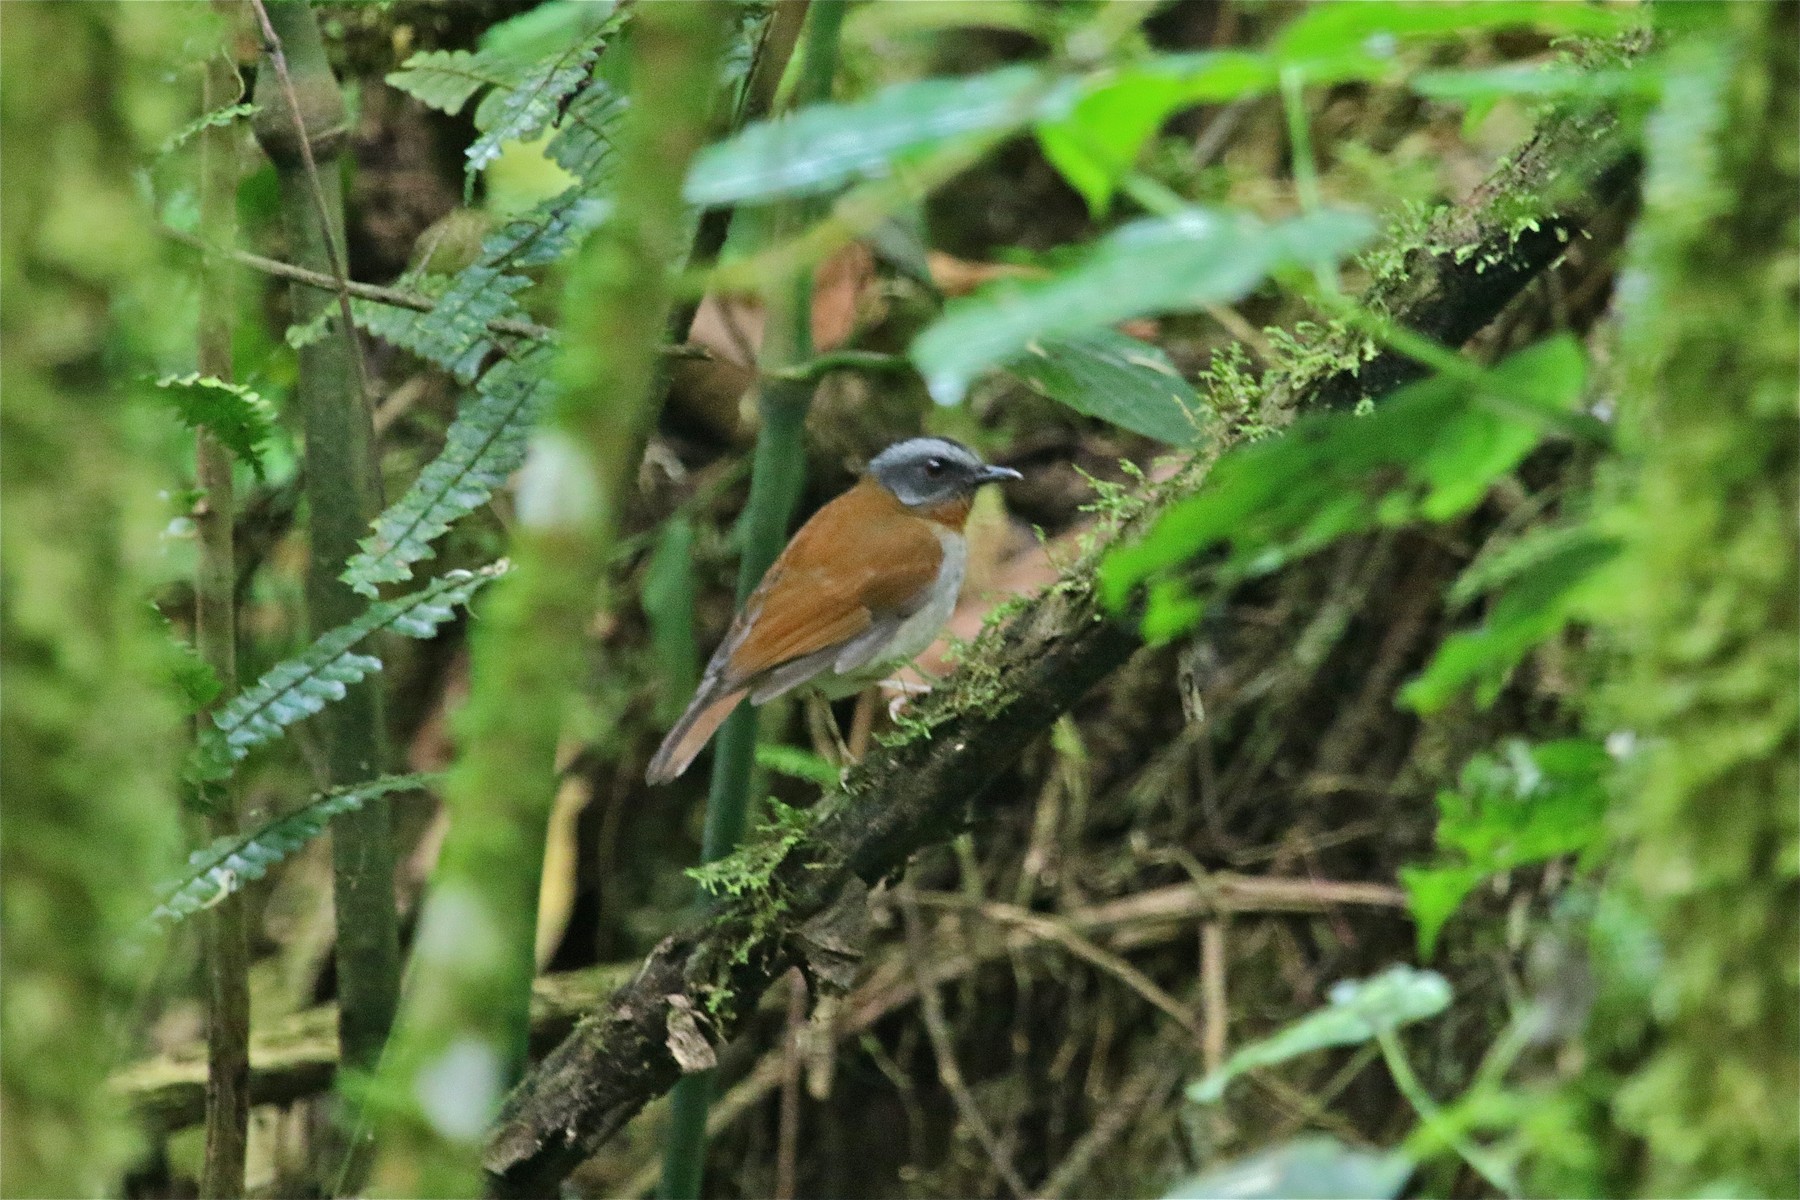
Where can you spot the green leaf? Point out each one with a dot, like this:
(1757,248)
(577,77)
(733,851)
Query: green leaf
(211,120)
(1549,579)
(242,421)
(1358,1011)
(484,445)
(1536,81)
(454,334)
(446,79)
(1525,804)
(1154,265)
(296,688)
(546,234)
(1315,1167)
(1098,141)
(1428,452)
(224,867)
(826,145)
(523,111)
(1116,378)
(1339,42)
(800,764)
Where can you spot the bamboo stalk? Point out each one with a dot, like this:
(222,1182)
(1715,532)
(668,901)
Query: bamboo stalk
(777,473)
(215,635)
(462,1038)
(301,127)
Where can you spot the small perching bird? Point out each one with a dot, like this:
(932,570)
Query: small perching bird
(864,586)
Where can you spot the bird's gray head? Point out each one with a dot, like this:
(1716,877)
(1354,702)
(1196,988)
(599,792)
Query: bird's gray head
(927,471)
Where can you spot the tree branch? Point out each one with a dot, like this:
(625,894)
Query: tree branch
(806,908)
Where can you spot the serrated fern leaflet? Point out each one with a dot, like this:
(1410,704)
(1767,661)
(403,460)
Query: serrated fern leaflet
(224,867)
(239,418)
(295,689)
(485,445)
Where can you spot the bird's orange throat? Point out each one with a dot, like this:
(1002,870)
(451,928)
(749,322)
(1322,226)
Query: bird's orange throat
(951,513)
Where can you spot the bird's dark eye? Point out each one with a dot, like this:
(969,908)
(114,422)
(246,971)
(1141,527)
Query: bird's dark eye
(935,466)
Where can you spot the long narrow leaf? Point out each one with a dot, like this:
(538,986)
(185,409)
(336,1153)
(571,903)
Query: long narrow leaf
(218,870)
(1158,264)
(485,445)
(297,688)
(825,145)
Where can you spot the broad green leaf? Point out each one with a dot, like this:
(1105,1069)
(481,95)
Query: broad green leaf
(296,688)
(1428,452)
(548,28)
(242,421)
(484,445)
(224,867)
(1316,1167)
(1525,804)
(1535,81)
(1337,42)
(446,79)
(1358,1011)
(1154,265)
(1101,136)
(1544,584)
(1116,378)
(826,145)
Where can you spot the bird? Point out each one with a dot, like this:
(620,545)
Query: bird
(863,586)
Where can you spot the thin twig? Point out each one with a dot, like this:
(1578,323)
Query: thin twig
(328,235)
(1057,931)
(787,1140)
(1117,1115)
(943,1048)
(511,326)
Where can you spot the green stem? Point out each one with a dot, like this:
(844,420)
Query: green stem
(1305,166)
(1498,1176)
(301,127)
(775,481)
(215,630)
(462,1037)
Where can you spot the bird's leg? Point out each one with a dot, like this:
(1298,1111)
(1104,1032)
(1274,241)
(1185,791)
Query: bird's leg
(862,721)
(825,733)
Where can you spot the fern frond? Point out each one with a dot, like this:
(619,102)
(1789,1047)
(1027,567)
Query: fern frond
(485,445)
(583,142)
(205,121)
(455,334)
(545,234)
(525,110)
(216,871)
(298,687)
(241,420)
(445,79)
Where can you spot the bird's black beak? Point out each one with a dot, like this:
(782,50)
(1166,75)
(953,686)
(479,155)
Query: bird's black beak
(997,474)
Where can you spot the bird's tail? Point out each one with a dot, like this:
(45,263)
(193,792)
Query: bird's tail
(701,720)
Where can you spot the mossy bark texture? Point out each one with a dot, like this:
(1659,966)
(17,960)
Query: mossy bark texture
(1710,628)
(89,729)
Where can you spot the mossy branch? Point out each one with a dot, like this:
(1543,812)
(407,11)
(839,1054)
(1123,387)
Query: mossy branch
(1448,280)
